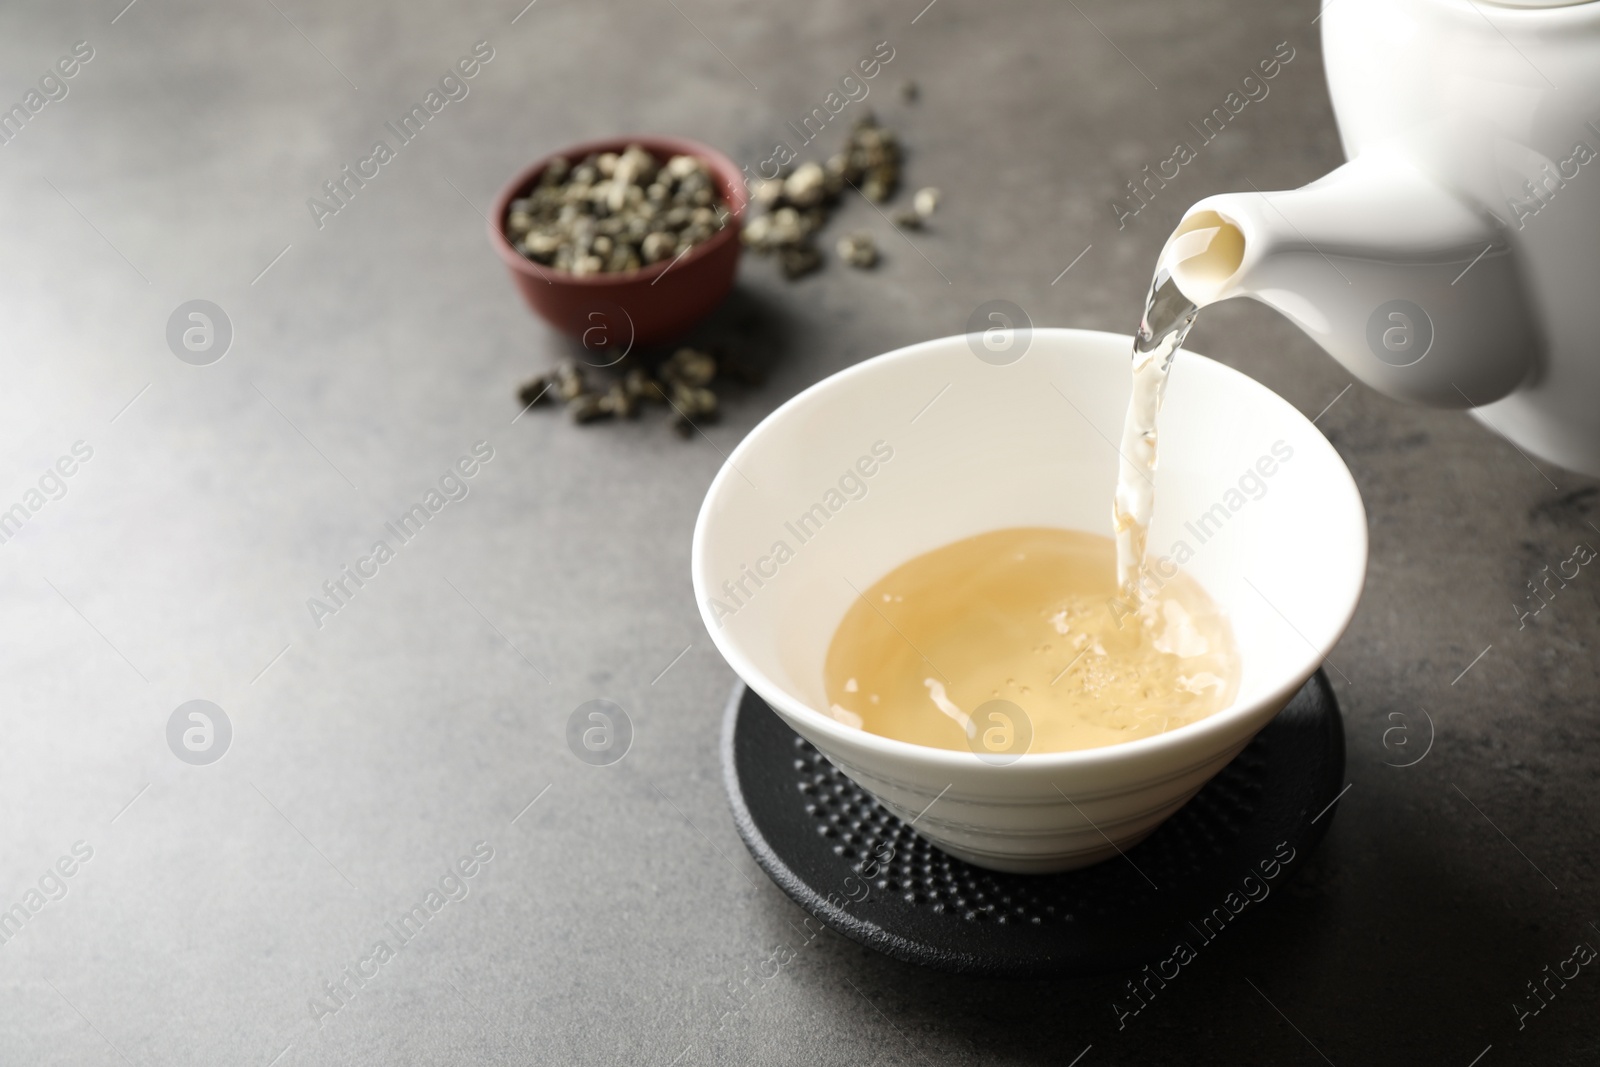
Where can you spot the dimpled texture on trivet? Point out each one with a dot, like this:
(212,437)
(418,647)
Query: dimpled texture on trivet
(864,872)
(857,827)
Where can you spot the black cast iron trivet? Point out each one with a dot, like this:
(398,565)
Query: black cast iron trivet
(844,858)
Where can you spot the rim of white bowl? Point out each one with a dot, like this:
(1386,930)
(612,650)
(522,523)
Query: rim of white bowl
(1138,749)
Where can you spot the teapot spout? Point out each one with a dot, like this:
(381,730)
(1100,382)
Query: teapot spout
(1415,292)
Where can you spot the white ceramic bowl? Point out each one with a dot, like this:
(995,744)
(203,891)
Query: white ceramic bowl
(914,449)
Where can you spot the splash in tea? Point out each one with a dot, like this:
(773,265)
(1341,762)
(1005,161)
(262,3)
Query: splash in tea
(1023,615)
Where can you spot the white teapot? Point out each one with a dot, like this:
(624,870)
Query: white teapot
(1455,260)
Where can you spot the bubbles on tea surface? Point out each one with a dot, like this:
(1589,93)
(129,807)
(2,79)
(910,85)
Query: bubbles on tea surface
(1200,683)
(981,621)
(845,715)
(1177,634)
(942,701)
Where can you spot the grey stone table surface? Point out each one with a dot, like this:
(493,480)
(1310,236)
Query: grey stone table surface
(618,919)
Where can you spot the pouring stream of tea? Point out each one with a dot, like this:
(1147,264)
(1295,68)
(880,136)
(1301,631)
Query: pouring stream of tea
(1168,314)
(1207,246)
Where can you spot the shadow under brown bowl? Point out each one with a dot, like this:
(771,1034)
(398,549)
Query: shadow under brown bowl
(657,302)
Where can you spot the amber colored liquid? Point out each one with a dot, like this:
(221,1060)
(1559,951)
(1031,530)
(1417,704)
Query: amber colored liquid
(1030,616)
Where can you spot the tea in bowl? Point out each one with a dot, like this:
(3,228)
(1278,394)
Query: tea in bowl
(941,456)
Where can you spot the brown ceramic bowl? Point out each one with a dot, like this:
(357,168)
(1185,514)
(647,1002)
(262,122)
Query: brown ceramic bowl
(657,302)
